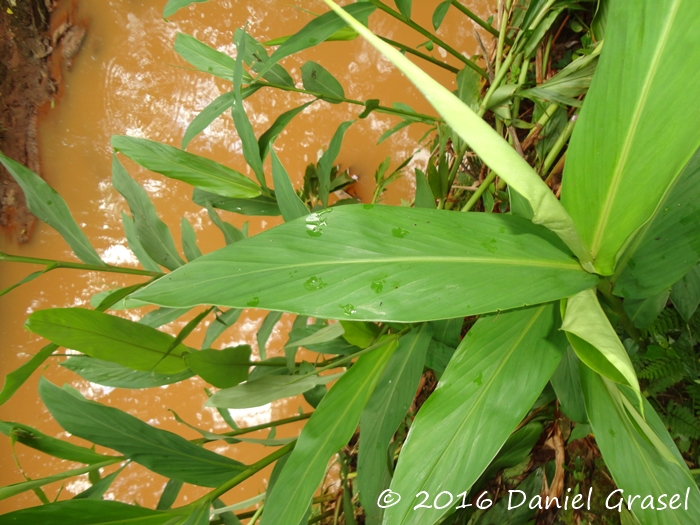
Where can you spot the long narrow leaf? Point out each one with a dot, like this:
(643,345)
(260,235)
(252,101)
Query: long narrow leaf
(87,512)
(15,379)
(266,139)
(111,374)
(325,164)
(173,6)
(291,206)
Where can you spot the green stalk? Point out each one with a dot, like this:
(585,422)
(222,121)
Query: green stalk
(559,144)
(433,38)
(502,35)
(378,109)
(542,122)
(488,180)
(459,157)
(77,266)
(411,51)
(480,22)
(248,430)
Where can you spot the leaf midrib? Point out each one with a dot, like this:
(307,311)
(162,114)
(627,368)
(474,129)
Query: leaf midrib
(640,107)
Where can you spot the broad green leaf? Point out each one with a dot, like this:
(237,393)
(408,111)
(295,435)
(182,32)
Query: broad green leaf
(507,511)
(189,240)
(265,389)
(109,338)
(327,160)
(173,6)
(440,13)
(162,316)
(258,206)
(249,144)
(265,331)
(330,427)
(220,324)
(567,384)
(385,410)
(600,19)
(230,232)
(407,264)
(516,448)
(291,206)
(595,341)
(266,139)
(204,57)
(49,207)
(612,185)
(221,368)
(15,379)
(107,373)
(18,488)
(132,240)
(497,373)
(439,355)
(31,437)
(636,462)
(448,331)
(87,512)
(404,7)
(192,169)
(685,294)
(360,334)
(158,450)
(424,195)
(643,312)
(318,79)
(489,145)
(152,235)
(316,32)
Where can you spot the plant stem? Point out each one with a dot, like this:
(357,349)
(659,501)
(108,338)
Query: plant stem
(379,109)
(77,266)
(488,180)
(433,38)
(501,36)
(559,145)
(417,53)
(541,123)
(255,428)
(479,21)
(240,478)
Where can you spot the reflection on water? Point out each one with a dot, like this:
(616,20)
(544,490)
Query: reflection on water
(128,80)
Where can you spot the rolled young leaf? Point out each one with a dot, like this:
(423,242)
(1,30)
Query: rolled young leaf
(49,207)
(330,427)
(158,450)
(649,468)
(489,145)
(408,265)
(110,338)
(195,170)
(495,376)
(612,185)
(595,341)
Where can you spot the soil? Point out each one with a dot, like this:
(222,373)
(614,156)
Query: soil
(26,85)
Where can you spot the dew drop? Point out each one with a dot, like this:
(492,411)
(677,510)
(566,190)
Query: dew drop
(479,379)
(254,302)
(348,309)
(377,285)
(399,233)
(314,283)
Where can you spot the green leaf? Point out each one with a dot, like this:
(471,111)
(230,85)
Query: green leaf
(18,488)
(97,490)
(219,325)
(404,7)
(132,239)
(31,437)
(86,512)
(266,139)
(325,164)
(221,368)
(385,410)
(192,169)
(109,338)
(169,494)
(497,373)
(189,240)
(265,389)
(489,145)
(158,450)
(162,316)
(316,32)
(15,379)
(174,6)
(424,195)
(204,57)
(205,117)
(230,232)
(255,55)
(516,448)
(291,206)
(359,334)
(408,265)
(639,465)
(330,427)
(612,185)
(268,324)
(115,375)
(685,294)
(595,341)
(318,79)
(258,206)
(322,335)
(643,312)
(448,331)
(49,207)
(152,235)
(505,512)
(440,13)
(567,384)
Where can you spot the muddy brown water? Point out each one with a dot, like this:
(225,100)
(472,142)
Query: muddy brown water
(128,80)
